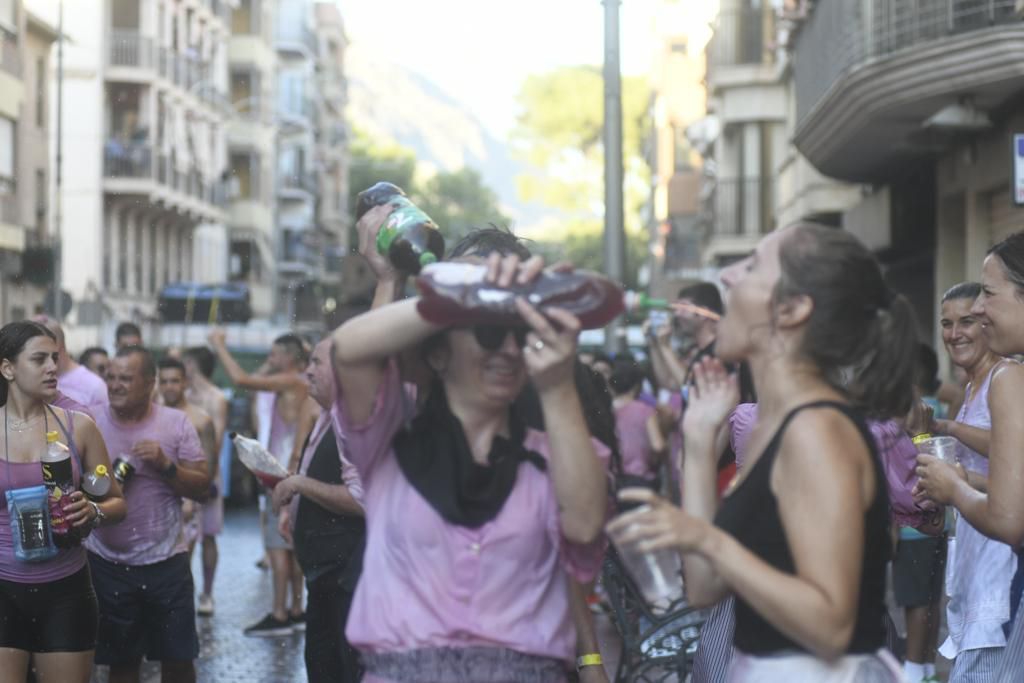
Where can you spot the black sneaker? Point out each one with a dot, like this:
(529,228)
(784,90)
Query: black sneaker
(268,627)
(298,621)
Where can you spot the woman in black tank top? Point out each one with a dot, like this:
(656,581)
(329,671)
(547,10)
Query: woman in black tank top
(801,537)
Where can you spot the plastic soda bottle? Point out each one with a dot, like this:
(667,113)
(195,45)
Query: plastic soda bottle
(60,483)
(409,237)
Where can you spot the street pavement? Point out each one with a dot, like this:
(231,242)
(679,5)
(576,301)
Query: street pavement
(241,593)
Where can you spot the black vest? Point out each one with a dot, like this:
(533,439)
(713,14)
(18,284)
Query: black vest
(325,541)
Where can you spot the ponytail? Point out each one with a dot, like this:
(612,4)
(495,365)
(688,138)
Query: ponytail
(882,382)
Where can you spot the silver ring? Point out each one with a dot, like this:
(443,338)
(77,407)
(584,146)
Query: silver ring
(538,345)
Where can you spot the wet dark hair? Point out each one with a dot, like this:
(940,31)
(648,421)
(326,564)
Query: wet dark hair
(926,371)
(87,355)
(168,363)
(13,338)
(859,330)
(485,241)
(295,346)
(148,364)
(704,294)
(964,290)
(1010,252)
(627,375)
(203,358)
(127,330)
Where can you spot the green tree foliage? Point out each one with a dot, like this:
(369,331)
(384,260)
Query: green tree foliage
(559,134)
(459,201)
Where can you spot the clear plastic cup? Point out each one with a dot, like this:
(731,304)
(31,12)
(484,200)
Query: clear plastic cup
(945,448)
(658,575)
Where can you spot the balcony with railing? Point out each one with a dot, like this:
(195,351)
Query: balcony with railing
(130,49)
(10,57)
(137,161)
(295,37)
(869,73)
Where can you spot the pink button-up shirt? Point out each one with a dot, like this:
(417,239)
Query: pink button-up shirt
(430,584)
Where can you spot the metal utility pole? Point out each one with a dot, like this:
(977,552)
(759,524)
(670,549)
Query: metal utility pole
(58,210)
(614,234)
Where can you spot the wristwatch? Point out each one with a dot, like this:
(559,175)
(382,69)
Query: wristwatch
(100,517)
(588,660)
(171,470)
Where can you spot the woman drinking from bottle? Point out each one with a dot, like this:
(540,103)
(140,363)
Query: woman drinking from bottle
(998,512)
(48,608)
(472,517)
(801,538)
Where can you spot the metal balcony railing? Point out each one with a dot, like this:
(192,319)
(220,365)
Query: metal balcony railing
(299,181)
(130,48)
(290,34)
(127,160)
(742,36)
(840,35)
(742,207)
(10,57)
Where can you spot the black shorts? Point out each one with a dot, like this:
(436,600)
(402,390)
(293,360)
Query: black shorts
(56,616)
(145,611)
(919,571)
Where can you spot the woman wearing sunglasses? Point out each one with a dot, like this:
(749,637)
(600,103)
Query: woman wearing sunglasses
(472,517)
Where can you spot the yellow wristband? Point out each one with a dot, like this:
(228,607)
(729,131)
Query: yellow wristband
(588,660)
(921,438)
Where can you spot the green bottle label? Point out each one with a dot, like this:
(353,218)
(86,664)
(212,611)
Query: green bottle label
(398,221)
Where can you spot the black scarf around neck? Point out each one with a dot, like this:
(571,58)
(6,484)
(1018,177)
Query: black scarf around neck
(435,458)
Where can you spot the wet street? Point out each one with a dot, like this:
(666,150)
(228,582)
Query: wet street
(242,596)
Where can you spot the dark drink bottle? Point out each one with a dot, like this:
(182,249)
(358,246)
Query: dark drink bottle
(409,237)
(456,293)
(60,483)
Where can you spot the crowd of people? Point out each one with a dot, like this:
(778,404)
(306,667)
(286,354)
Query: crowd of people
(450,486)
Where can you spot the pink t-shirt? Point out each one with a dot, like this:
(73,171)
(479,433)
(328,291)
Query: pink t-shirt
(152,531)
(430,584)
(83,386)
(634,443)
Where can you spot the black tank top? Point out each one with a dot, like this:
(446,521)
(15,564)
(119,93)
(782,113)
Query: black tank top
(751,515)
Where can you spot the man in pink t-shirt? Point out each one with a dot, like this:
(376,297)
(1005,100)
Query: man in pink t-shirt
(74,380)
(140,567)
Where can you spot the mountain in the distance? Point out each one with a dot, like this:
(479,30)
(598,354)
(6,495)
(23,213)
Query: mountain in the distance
(390,102)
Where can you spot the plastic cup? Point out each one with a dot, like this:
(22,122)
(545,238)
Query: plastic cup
(657,574)
(945,448)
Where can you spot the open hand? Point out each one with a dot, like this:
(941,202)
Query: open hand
(217,337)
(550,350)
(714,394)
(657,524)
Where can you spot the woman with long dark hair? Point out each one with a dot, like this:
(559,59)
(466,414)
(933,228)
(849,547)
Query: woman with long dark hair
(48,608)
(473,518)
(801,538)
(998,512)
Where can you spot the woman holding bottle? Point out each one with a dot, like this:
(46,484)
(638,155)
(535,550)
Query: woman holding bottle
(801,538)
(473,518)
(998,511)
(48,609)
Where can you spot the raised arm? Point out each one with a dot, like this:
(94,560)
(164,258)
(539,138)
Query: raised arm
(578,476)
(278,382)
(660,349)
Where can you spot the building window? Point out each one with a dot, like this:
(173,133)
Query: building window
(245,172)
(8,15)
(8,130)
(40,92)
(40,202)
(245,19)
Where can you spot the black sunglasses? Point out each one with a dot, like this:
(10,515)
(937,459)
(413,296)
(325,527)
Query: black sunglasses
(491,337)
